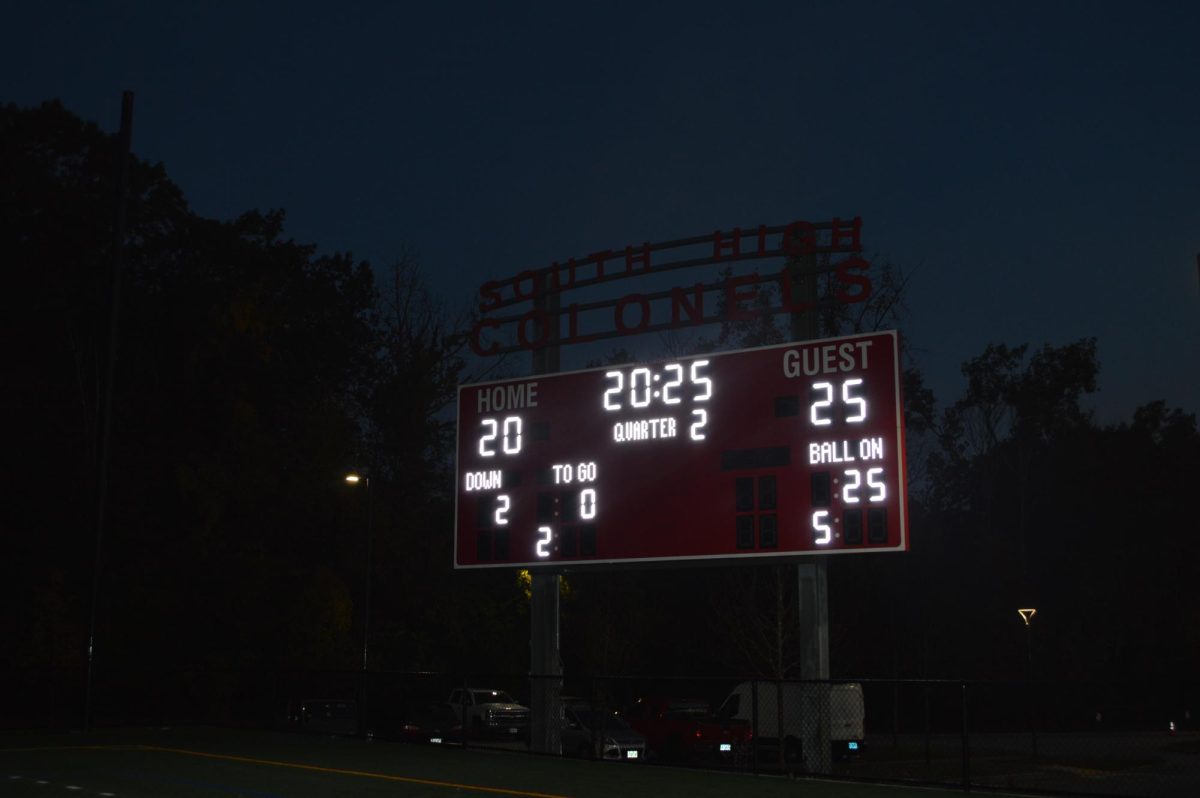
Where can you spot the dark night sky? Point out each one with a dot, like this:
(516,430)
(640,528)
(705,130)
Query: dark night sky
(1037,164)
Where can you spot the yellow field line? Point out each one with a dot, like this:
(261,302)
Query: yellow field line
(344,772)
(66,748)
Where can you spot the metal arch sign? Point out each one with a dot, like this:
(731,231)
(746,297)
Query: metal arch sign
(676,307)
(780,451)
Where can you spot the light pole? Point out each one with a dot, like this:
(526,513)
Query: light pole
(1027,616)
(365,481)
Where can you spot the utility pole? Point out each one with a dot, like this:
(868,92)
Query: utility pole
(364,727)
(811,572)
(103,448)
(545,664)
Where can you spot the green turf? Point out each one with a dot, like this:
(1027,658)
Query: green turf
(137,763)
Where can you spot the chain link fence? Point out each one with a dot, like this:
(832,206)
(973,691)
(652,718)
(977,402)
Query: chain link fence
(1091,739)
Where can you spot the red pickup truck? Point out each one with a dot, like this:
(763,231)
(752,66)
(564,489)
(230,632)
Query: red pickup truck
(685,729)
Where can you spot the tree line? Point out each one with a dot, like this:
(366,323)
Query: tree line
(253,372)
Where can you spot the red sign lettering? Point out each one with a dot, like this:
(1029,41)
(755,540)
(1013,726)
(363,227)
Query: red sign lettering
(634,313)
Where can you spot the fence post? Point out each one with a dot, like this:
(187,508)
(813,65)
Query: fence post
(927,724)
(895,714)
(464,725)
(596,717)
(1033,721)
(783,763)
(754,724)
(966,756)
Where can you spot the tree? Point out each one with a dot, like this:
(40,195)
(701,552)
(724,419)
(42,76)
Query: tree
(430,618)
(56,207)
(251,372)
(1011,413)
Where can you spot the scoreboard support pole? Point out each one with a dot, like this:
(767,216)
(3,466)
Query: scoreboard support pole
(812,584)
(545,663)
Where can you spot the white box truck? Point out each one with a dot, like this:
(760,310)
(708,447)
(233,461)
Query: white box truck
(785,720)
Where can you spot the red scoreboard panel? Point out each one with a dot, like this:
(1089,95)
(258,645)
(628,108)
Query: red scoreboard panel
(773,452)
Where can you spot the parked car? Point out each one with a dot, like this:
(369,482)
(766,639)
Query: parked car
(683,729)
(438,724)
(590,733)
(489,712)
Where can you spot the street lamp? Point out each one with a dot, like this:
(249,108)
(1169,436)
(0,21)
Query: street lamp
(1027,614)
(358,479)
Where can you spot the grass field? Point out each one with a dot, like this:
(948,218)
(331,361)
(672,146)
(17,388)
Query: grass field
(187,762)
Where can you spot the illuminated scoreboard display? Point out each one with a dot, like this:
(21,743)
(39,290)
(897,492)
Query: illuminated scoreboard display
(773,452)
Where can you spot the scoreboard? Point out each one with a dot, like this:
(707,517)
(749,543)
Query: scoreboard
(772,452)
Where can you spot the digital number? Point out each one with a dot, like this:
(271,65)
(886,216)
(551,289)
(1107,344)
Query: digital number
(491,425)
(509,433)
(502,505)
(698,380)
(587,504)
(697,428)
(848,492)
(543,543)
(874,482)
(615,391)
(511,443)
(675,383)
(641,386)
(821,419)
(854,400)
(813,412)
(879,486)
(819,525)
(633,387)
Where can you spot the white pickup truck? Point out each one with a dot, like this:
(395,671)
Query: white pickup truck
(762,699)
(489,711)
